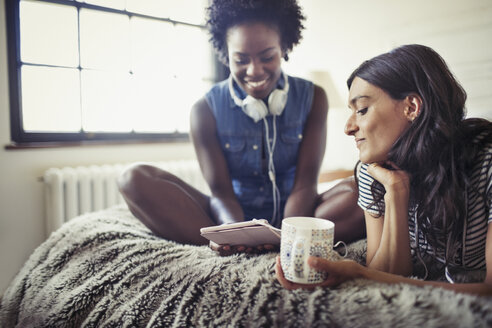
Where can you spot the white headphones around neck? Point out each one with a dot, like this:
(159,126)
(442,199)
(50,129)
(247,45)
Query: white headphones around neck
(256,108)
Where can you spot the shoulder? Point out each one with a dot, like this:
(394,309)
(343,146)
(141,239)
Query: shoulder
(218,97)
(364,177)
(219,89)
(299,81)
(201,116)
(480,174)
(311,98)
(221,85)
(482,162)
(299,86)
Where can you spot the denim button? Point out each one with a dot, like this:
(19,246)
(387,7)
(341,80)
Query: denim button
(255,147)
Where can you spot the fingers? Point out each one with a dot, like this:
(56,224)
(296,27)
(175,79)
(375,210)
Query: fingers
(390,164)
(214,246)
(226,250)
(320,264)
(377,172)
(236,249)
(268,248)
(388,174)
(289,284)
(281,278)
(337,270)
(375,169)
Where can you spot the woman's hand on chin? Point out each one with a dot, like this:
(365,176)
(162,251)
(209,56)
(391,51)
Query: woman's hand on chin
(390,176)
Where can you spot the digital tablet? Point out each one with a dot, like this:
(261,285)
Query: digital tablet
(248,233)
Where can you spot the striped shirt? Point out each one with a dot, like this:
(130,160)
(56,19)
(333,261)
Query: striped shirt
(479,212)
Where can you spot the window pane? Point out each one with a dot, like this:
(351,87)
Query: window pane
(189,11)
(50,99)
(106,101)
(195,60)
(138,74)
(187,92)
(167,82)
(163,104)
(152,45)
(167,48)
(104,41)
(48,34)
(116,4)
(155,107)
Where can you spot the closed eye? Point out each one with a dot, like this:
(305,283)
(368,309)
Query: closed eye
(241,62)
(266,60)
(362,111)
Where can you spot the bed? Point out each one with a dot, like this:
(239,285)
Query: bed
(105,269)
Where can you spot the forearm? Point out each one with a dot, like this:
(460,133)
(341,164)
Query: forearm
(393,254)
(226,210)
(301,202)
(384,277)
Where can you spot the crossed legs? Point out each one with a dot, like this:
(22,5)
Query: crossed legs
(167,205)
(174,210)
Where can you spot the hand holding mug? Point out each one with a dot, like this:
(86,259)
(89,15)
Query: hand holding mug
(337,272)
(303,237)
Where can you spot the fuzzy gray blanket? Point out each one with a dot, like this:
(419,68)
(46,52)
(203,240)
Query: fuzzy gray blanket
(105,269)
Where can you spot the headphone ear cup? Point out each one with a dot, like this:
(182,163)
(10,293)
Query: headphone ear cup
(254,108)
(277,101)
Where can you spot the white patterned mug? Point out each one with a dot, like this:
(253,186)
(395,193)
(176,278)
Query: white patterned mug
(303,237)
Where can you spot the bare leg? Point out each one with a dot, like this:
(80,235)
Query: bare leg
(167,205)
(339,204)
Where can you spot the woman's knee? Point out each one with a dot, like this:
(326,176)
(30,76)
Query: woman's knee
(340,201)
(136,177)
(347,187)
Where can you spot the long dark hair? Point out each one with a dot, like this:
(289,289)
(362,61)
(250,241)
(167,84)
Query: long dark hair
(437,150)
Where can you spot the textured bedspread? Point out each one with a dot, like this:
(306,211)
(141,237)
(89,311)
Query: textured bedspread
(106,269)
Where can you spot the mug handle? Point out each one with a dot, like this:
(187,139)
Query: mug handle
(344,245)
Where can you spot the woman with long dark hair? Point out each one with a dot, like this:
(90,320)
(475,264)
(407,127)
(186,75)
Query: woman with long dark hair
(425,175)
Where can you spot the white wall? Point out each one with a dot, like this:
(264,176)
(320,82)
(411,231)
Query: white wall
(339,36)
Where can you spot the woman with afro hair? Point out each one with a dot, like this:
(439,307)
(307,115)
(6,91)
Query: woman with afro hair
(259,137)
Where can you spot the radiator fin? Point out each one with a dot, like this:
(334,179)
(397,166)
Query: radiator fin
(72,191)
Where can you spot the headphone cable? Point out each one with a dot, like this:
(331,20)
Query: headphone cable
(271,169)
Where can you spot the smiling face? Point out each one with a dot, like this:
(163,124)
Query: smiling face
(255,57)
(376,121)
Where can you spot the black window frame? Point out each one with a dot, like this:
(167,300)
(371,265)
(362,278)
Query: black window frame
(20,137)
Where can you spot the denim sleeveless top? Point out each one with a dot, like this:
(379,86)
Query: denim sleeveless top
(243,143)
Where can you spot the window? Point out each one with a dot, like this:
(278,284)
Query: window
(106,69)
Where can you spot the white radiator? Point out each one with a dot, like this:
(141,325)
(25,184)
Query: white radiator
(71,191)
